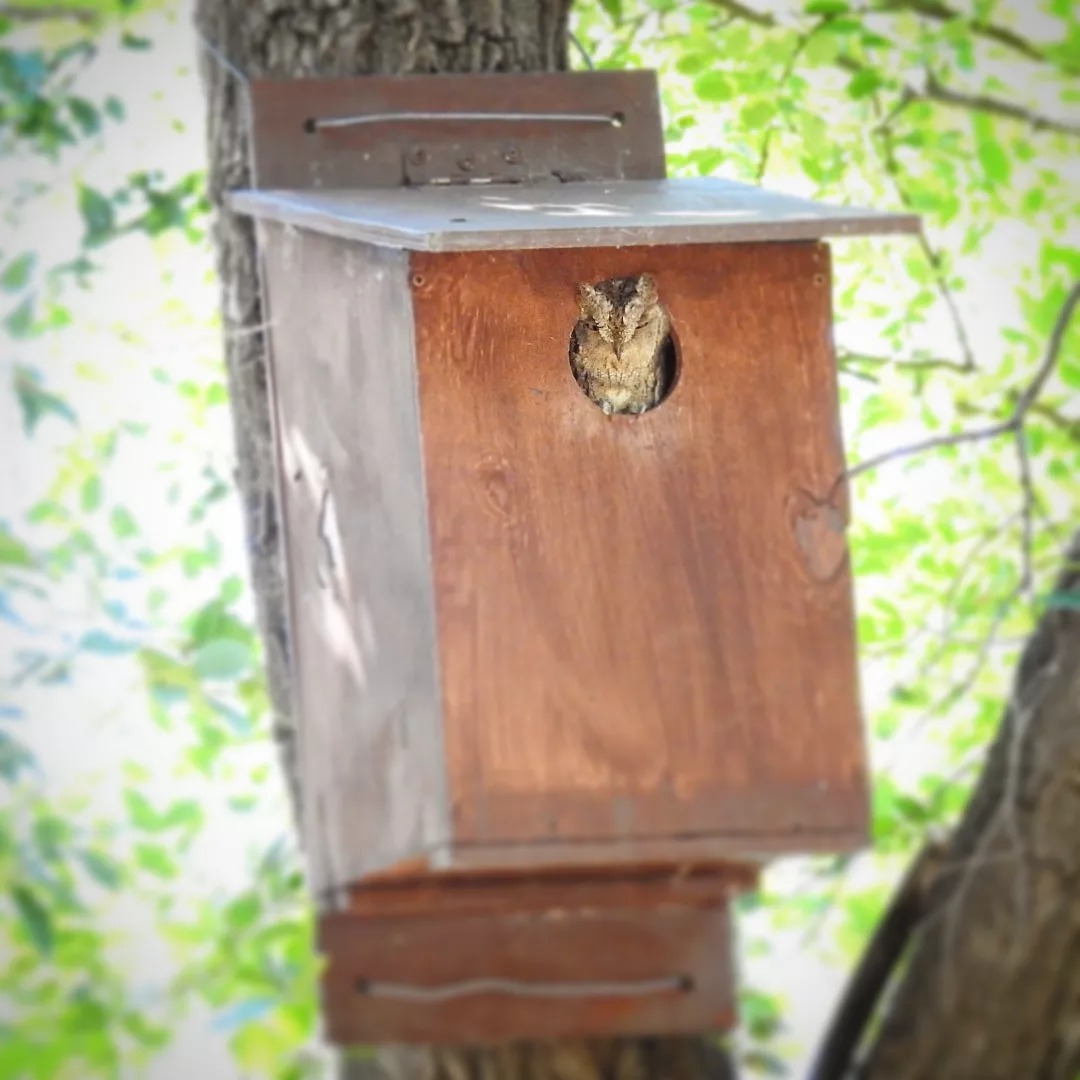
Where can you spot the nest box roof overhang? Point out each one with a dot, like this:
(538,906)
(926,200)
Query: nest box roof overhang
(606,213)
(504,162)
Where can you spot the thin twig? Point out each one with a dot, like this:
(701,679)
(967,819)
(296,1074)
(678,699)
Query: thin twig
(1053,351)
(29,13)
(748,14)
(913,363)
(1027,515)
(1002,35)
(586,56)
(936,442)
(935,90)
(933,257)
(957,690)
(1012,424)
(1068,424)
(785,75)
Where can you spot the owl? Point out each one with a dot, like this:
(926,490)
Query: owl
(620,348)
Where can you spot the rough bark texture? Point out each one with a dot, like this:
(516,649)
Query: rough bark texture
(992,990)
(296,38)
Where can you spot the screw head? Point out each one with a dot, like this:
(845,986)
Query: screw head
(466,164)
(512,155)
(418,155)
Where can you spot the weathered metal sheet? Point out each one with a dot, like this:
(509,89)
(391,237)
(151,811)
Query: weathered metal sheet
(586,214)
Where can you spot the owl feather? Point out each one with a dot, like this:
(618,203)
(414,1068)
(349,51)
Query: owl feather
(617,353)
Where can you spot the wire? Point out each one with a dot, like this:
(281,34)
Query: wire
(519,988)
(324,123)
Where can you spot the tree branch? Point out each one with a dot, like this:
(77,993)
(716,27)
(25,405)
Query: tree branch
(996,32)
(935,90)
(1019,414)
(28,13)
(918,362)
(878,961)
(747,14)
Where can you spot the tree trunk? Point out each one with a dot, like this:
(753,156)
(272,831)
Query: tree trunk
(992,991)
(243,39)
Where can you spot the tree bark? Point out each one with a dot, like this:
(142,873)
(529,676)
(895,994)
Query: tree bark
(992,989)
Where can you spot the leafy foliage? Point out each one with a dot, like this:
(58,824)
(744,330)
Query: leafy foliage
(967,115)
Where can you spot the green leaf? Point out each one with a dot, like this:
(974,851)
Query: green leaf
(864,83)
(134,42)
(993,158)
(826,7)
(36,402)
(713,86)
(14,757)
(103,869)
(758,114)
(35,918)
(123,523)
(155,860)
(98,215)
(822,49)
(223,658)
(17,272)
(21,322)
(143,816)
(90,494)
(13,552)
(695,62)
(85,114)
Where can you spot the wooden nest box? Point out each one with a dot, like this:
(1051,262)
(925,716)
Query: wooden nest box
(566,674)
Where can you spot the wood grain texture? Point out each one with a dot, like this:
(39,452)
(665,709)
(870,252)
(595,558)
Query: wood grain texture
(529,948)
(645,623)
(358,560)
(623,886)
(289,155)
(494,217)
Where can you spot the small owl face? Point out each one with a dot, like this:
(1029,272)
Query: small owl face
(619,308)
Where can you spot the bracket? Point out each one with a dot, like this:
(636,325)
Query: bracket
(395,131)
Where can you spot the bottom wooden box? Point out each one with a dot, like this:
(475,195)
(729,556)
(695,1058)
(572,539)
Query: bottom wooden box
(496,963)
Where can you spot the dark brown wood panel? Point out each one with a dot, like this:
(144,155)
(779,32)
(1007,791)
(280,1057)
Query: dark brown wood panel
(411,150)
(645,623)
(363,633)
(373,962)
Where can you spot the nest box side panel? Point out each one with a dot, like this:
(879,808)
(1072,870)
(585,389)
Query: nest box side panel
(646,626)
(359,565)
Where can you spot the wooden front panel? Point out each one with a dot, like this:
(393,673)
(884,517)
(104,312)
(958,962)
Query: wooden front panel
(645,623)
(359,569)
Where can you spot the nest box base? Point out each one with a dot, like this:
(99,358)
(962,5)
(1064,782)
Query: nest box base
(491,961)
